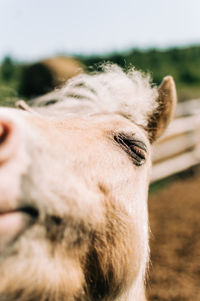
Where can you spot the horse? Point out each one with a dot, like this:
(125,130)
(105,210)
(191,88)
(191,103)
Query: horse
(74,169)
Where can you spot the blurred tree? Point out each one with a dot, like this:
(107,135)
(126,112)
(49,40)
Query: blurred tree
(7,69)
(182,63)
(189,74)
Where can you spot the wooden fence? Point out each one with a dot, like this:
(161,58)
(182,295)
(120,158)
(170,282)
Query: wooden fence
(179,148)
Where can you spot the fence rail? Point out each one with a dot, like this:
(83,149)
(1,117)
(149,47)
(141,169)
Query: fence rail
(179,148)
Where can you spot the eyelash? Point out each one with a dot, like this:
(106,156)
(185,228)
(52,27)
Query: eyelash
(136,149)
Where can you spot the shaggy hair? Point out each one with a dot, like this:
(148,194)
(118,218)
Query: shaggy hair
(130,94)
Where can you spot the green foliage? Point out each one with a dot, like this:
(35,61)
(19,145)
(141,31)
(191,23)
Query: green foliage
(7,69)
(10,74)
(182,63)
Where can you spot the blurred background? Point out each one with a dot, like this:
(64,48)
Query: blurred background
(44,43)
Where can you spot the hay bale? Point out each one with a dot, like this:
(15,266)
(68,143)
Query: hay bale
(44,76)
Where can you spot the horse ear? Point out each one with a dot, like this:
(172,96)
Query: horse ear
(160,118)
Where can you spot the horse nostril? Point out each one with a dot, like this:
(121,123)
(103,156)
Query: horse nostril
(7,139)
(4,132)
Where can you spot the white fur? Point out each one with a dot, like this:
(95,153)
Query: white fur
(130,94)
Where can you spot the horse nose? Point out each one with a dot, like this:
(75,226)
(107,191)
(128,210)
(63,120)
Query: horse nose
(8,139)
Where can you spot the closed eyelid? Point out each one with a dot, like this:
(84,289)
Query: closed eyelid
(135,148)
(124,137)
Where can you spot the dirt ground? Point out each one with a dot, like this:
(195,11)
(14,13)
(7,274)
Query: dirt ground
(175,241)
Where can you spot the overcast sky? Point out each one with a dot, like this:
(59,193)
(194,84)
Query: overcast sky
(32,29)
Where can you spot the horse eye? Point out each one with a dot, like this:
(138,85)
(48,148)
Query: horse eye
(136,149)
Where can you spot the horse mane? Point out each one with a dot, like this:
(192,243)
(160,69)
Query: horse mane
(130,94)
